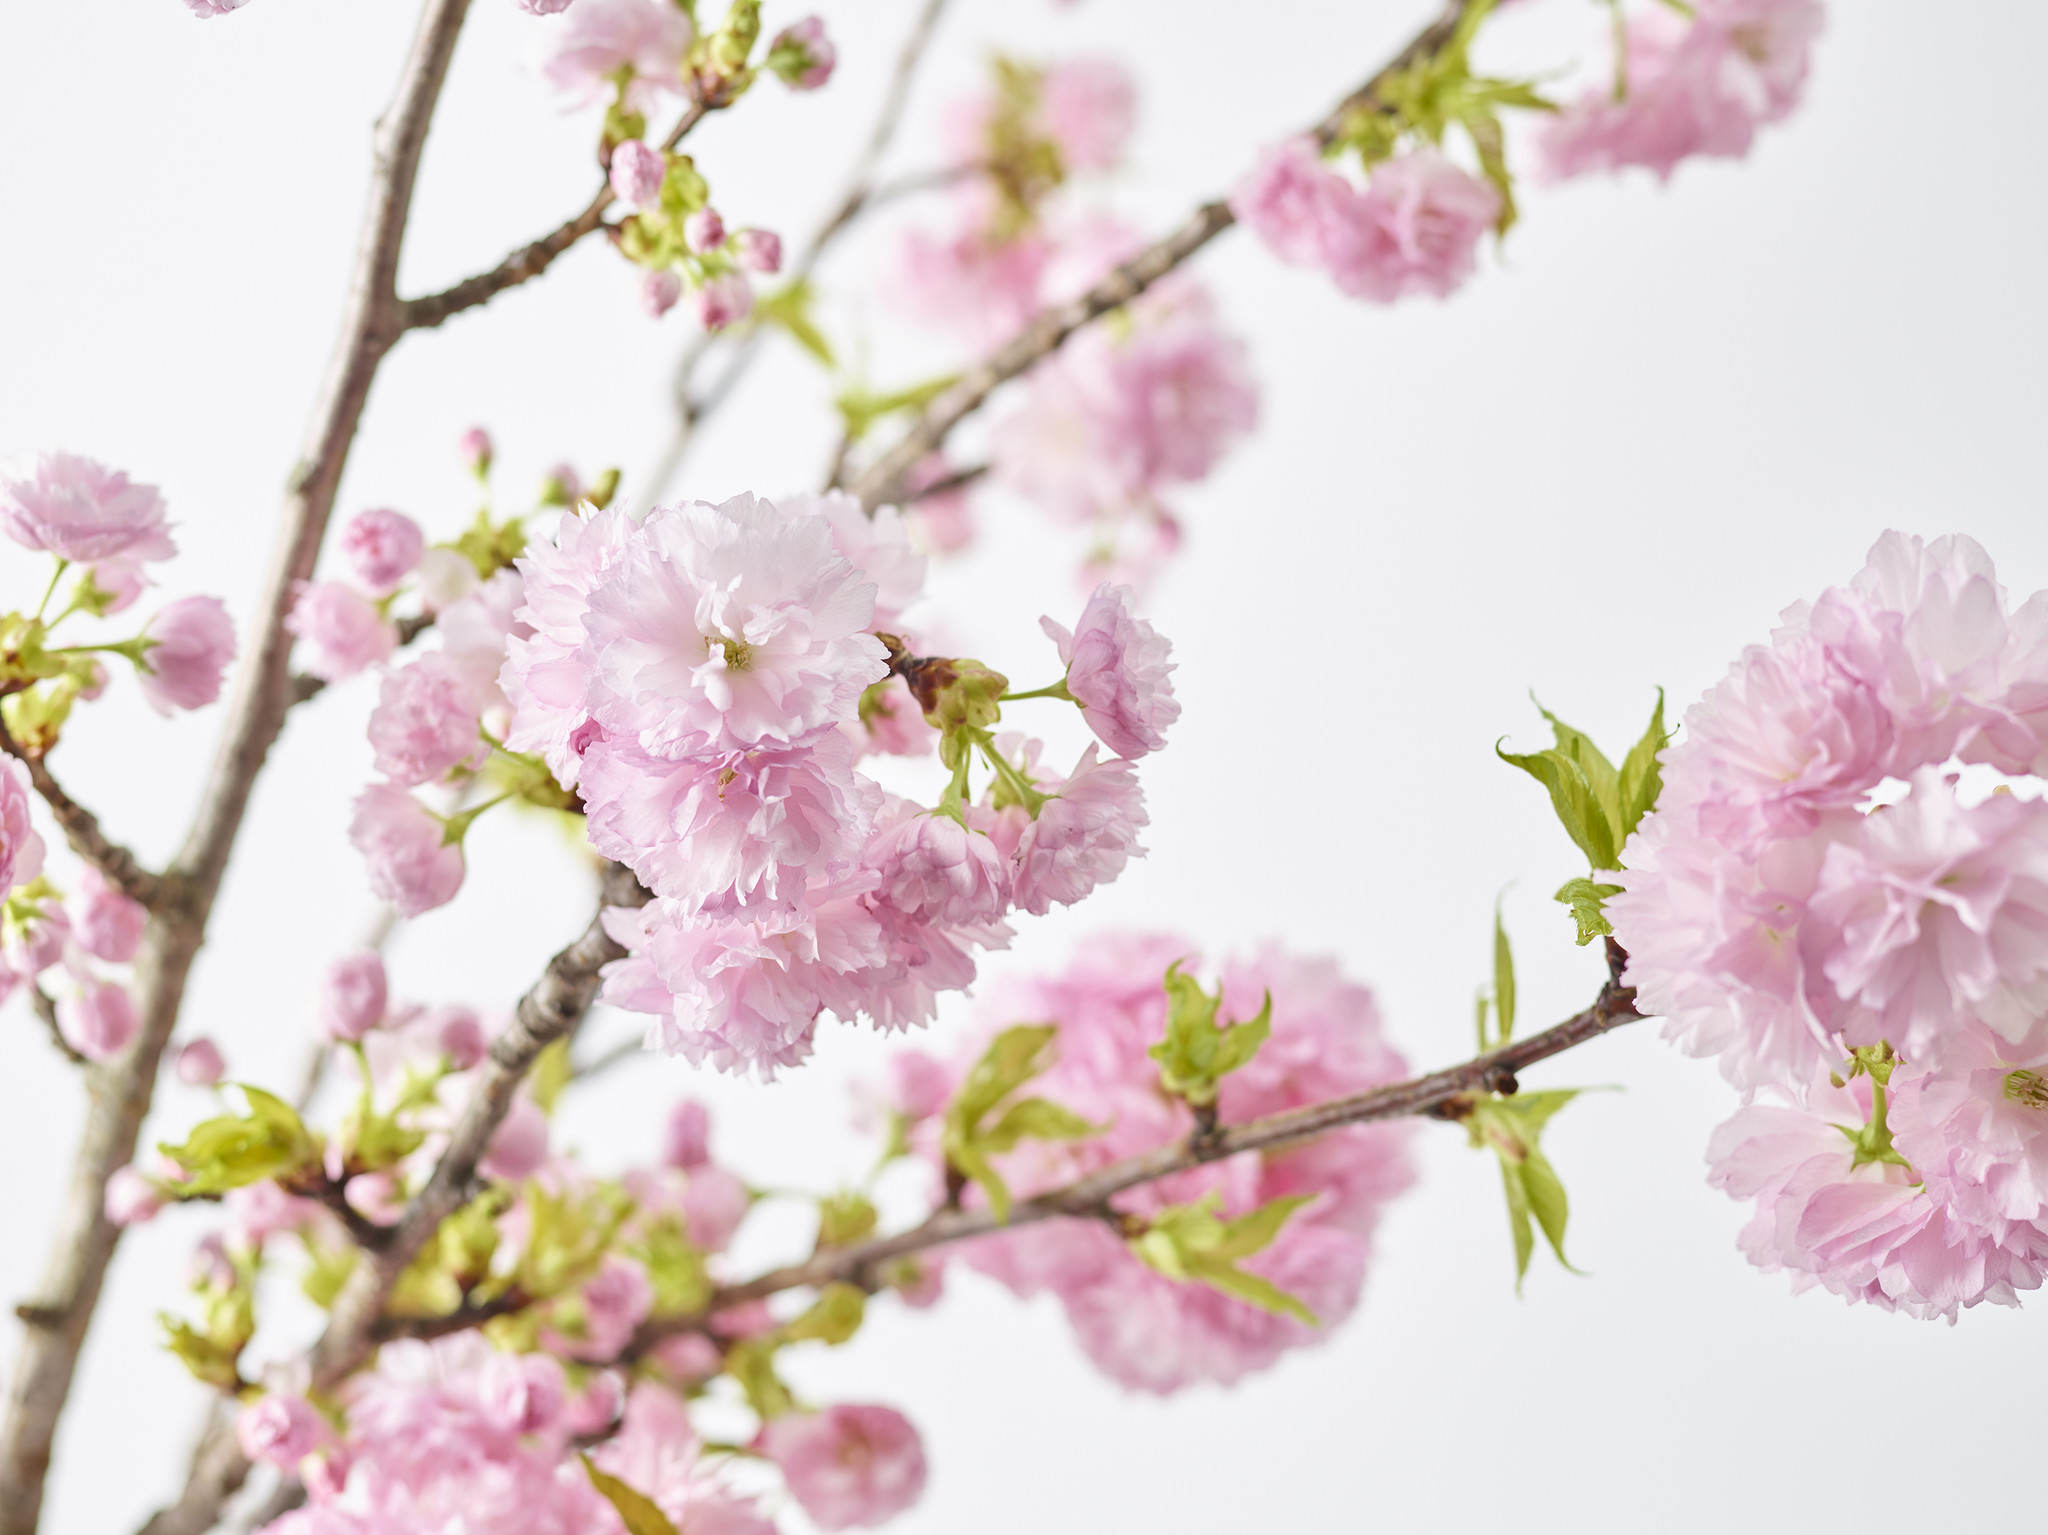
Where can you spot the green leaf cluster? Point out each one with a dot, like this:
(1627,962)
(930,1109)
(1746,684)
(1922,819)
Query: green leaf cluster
(232,1151)
(845,1218)
(1195,1244)
(568,1235)
(1024,164)
(1513,1127)
(675,1267)
(860,408)
(212,1351)
(975,1131)
(1598,804)
(490,546)
(1196,1053)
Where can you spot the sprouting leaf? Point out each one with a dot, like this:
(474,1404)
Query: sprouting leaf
(751,1362)
(675,1268)
(844,1218)
(1598,804)
(1587,899)
(1196,1052)
(1194,1244)
(1641,778)
(861,408)
(1035,1119)
(209,1363)
(833,1317)
(790,308)
(232,1151)
(1503,978)
(1013,1057)
(638,1512)
(1514,1127)
(1575,800)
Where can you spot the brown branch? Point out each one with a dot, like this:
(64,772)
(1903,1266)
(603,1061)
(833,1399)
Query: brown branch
(122,1089)
(46,1009)
(551,1010)
(529,261)
(1443,1094)
(123,870)
(957,480)
(883,479)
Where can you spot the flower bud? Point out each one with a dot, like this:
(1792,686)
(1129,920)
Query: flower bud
(459,1034)
(475,447)
(659,292)
(200,1063)
(637,173)
(354,1000)
(802,56)
(191,643)
(688,1142)
(341,627)
(758,250)
(131,1198)
(723,301)
(100,1021)
(116,584)
(382,547)
(34,945)
(105,922)
(704,230)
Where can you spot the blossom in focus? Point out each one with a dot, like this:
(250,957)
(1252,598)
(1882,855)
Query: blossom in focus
(1117,671)
(411,865)
(425,722)
(877,546)
(355,996)
(82,511)
(646,38)
(200,1063)
(21,845)
(932,868)
(98,1020)
(382,547)
(104,922)
(801,55)
(1693,87)
(1976,1132)
(849,1465)
(637,172)
(1088,107)
(343,630)
(1083,836)
(190,643)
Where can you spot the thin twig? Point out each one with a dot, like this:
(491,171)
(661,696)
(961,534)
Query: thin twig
(883,479)
(1441,1093)
(46,1009)
(47,1357)
(954,481)
(123,870)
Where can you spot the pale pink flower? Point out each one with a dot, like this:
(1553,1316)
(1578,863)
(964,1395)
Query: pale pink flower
(616,1300)
(646,37)
(104,922)
(281,1429)
(723,300)
(687,1140)
(704,230)
(82,511)
(382,547)
(342,629)
(850,1465)
(200,1063)
(475,447)
(919,1085)
(1977,1134)
(446,576)
(524,1393)
(458,1034)
(877,546)
(1082,837)
(519,1147)
(919,963)
(637,172)
(121,579)
(207,8)
(191,642)
(801,55)
(411,865)
(476,633)
(425,722)
(758,250)
(932,869)
(1117,671)
(656,1453)
(892,722)
(21,845)
(1294,202)
(987,288)
(939,522)
(98,1020)
(544,7)
(659,291)
(1415,230)
(714,1203)
(131,1198)
(355,996)
(259,1211)
(1088,107)
(37,941)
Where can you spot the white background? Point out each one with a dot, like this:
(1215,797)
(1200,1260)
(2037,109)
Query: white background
(1659,416)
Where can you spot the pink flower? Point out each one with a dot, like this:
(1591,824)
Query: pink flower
(458,1034)
(933,869)
(892,722)
(1294,202)
(410,863)
(83,511)
(1977,1134)
(342,627)
(99,1020)
(1415,230)
(758,250)
(647,38)
(382,547)
(204,9)
(1117,671)
(425,722)
(659,292)
(519,1148)
(1088,107)
(104,922)
(36,941)
(919,1085)
(722,301)
(524,1393)
(200,1063)
(848,1465)
(656,1453)
(280,1429)
(802,55)
(190,644)
(637,173)
(1082,837)
(545,7)
(21,845)
(446,577)
(878,547)
(475,447)
(616,1300)
(687,1142)
(986,287)
(940,521)
(121,579)
(131,1198)
(704,230)
(1693,88)
(355,997)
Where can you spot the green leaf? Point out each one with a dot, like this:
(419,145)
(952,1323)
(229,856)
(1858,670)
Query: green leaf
(1192,1244)
(232,1151)
(834,1316)
(1013,1057)
(1257,1230)
(637,1511)
(1547,1202)
(1513,1127)
(1574,798)
(1037,1119)
(1196,1053)
(861,408)
(675,1268)
(551,1073)
(1587,898)
(209,1362)
(845,1218)
(1641,778)
(790,308)
(751,1362)
(1518,1219)
(1503,977)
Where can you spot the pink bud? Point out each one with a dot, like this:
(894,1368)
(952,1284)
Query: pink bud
(520,1147)
(704,230)
(597,1408)
(758,250)
(131,1198)
(459,1034)
(192,641)
(341,628)
(689,1357)
(637,173)
(355,997)
(723,301)
(802,55)
(382,547)
(37,943)
(280,1429)
(688,1143)
(98,1022)
(918,1085)
(659,292)
(121,579)
(714,1204)
(200,1063)
(105,922)
(475,447)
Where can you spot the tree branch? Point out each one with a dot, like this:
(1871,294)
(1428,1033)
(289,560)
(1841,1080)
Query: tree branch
(1442,1094)
(46,1009)
(529,261)
(123,870)
(122,1089)
(883,479)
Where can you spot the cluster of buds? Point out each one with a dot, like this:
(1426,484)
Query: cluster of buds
(682,242)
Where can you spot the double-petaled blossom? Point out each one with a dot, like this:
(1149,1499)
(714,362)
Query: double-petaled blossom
(1117,670)
(1701,83)
(1087,108)
(188,646)
(932,868)
(344,631)
(851,1465)
(355,996)
(1082,836)
(382,547)
(98,1019)
(411,862)
(657,1453)
(104,922)
(82,511)
(1145,1330)
(425,722)
(21,845)
(643,40)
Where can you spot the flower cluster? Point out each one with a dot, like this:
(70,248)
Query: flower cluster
(1826,886)
(1149,1331)
(1697,80)
(704,678)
